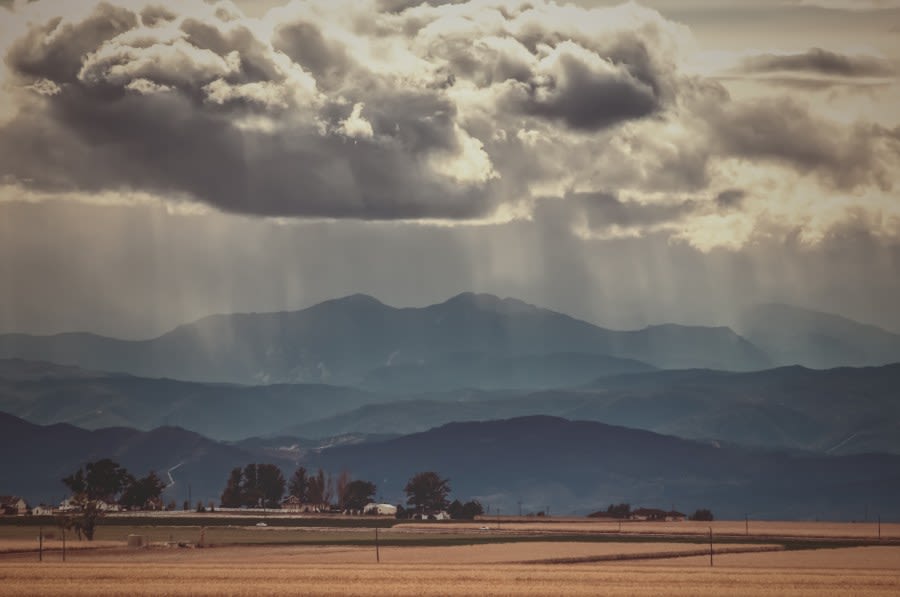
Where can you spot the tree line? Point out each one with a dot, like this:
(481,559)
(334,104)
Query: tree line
(103,483)
(264,486)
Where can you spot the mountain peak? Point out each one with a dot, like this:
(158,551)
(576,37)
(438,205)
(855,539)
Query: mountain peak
(487,301)
(356,300)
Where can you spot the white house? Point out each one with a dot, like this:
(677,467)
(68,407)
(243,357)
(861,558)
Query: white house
(12,505)
(42,510)
(69,505)
(380,509)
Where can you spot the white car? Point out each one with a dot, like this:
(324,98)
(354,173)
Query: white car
(261,524)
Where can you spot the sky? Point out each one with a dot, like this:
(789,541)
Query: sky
(628,164)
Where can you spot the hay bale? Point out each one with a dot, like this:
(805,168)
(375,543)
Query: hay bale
(136,541)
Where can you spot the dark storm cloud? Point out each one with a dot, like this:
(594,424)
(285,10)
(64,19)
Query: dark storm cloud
(161,118)
(783,131)
(156,15)
(731,198)
(433,111)
(162,100)
(585,92)
(819,62)
(304,43)
(54,50)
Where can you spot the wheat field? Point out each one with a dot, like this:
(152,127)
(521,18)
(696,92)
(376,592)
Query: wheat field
(256,575)
(484,570)
(535,567)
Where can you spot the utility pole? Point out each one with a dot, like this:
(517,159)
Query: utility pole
(746,524)
(41,544)
(64,544)
(710,548)
(377,553)
(879,527)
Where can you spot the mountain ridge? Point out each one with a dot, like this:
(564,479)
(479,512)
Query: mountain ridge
(340,341)
(573,466)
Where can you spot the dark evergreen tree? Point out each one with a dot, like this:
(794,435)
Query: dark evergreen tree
(357,494)
(298,484)
(427,492)
(143,493)
(231,495)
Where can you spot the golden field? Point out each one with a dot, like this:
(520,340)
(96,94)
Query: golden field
(244,571)
(319,565)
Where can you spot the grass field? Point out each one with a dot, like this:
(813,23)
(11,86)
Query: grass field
(286,571)
(568,558)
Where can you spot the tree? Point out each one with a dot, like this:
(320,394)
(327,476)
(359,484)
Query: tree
(619,510)
(271,484)
(340,488)
(455,509)
(143,493)
(471,509)
(251,491)
(256,485)
(231,495)
(319,489)
(465,511)
(703,515)
(298,483)
(357,494)
(427,492)
(101,480)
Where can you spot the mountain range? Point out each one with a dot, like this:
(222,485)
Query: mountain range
(839,411)
(790,335)
(511,400)
(470,340)
(568,466)
(345,341)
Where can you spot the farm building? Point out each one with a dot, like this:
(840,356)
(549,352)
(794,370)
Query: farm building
(42,510)
(648,514)
(380,509)
(12,505)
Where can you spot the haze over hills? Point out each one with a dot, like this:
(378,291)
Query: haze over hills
(792,335)
(44,393)
(572,467)
(841,411)
(487,372)
(343,341)
(46,454)
(585,465)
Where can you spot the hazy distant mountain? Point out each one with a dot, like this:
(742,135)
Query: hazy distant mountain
(39,457)
(791,335)
(44,393)
(580,466)
(479,370)
(840,411)
(343,340)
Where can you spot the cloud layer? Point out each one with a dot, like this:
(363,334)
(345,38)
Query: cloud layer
(477,111)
